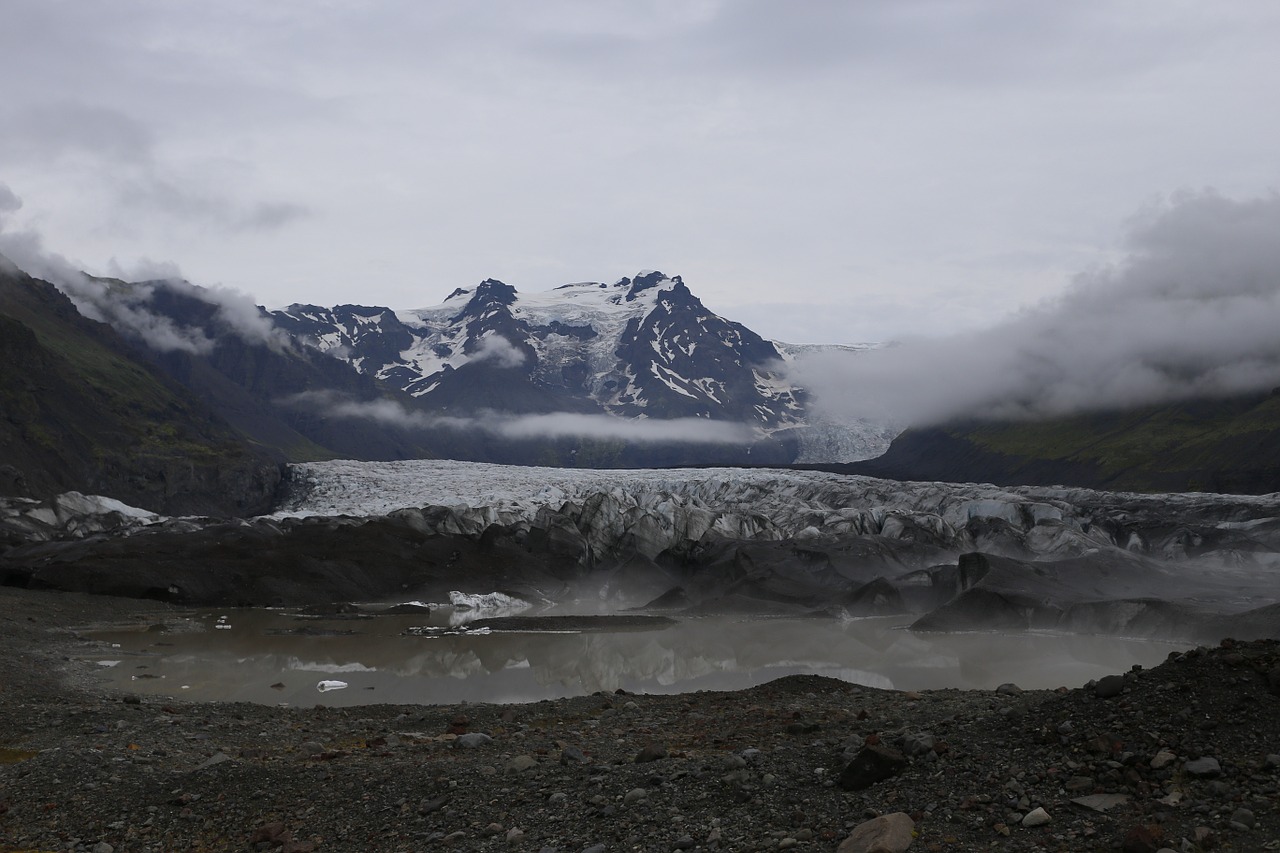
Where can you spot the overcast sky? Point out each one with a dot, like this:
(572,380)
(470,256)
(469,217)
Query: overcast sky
(822,171)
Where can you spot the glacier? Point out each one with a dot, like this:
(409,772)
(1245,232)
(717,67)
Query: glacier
(695,542)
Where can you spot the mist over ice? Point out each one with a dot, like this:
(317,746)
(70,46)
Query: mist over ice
(1191,311)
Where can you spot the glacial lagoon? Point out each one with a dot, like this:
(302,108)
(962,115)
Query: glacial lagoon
(279,657)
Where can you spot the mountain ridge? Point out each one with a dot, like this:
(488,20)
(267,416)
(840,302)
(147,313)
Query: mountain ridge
(1227,445)
(83,410)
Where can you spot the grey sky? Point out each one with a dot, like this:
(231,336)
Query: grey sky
(822,171)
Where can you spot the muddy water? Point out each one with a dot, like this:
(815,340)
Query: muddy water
(260,656)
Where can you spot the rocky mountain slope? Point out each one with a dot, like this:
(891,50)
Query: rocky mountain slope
(1229,445)
(81,409)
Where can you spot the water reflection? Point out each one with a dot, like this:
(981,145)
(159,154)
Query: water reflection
(260,657)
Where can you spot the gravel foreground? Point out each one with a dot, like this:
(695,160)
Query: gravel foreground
(1184,757)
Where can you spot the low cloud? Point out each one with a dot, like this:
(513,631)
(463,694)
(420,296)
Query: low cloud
(1191,311)
(494,347)
(551,426)
(128,307)
(645,431)
(386,412)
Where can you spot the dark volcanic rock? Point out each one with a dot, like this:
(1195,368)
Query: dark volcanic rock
(872,764)
(1109,687)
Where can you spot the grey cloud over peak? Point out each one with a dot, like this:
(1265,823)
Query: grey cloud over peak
(1191,311)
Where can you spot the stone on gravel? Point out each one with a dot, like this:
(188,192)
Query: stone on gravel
(918,743)
(472,740)
(1163,758)
(1008,689)
(213,761)
(891,833)
(1142,839)
(521,763)
(103,847)
(651,752)
(635,795)
(1101,802)
(1203,768)
(1109,686)
(1244,817)
(571,755)
(1036,817)
(873,763)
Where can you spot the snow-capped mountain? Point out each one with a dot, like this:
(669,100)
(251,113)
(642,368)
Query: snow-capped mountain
(638,348)
(634,373)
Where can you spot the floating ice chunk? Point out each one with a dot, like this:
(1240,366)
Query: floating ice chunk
(492,602)
(326,686)
(445,631)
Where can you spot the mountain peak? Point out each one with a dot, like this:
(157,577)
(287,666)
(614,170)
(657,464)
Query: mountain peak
(646,280)
(493,290)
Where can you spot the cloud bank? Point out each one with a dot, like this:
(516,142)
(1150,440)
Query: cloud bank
(128,306)
(549,426)
(1192,311)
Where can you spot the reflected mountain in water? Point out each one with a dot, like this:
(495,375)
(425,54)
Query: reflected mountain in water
(381,664)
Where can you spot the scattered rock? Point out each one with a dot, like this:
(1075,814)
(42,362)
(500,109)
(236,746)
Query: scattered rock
(1036,817)
(651,752)
(1109,686)
(872,764)
(1142,839)
(1203,768)
(471,740)
(213,761)
(1101,802)
(891,833)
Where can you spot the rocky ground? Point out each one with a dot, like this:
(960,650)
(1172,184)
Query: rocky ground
(1185,756)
